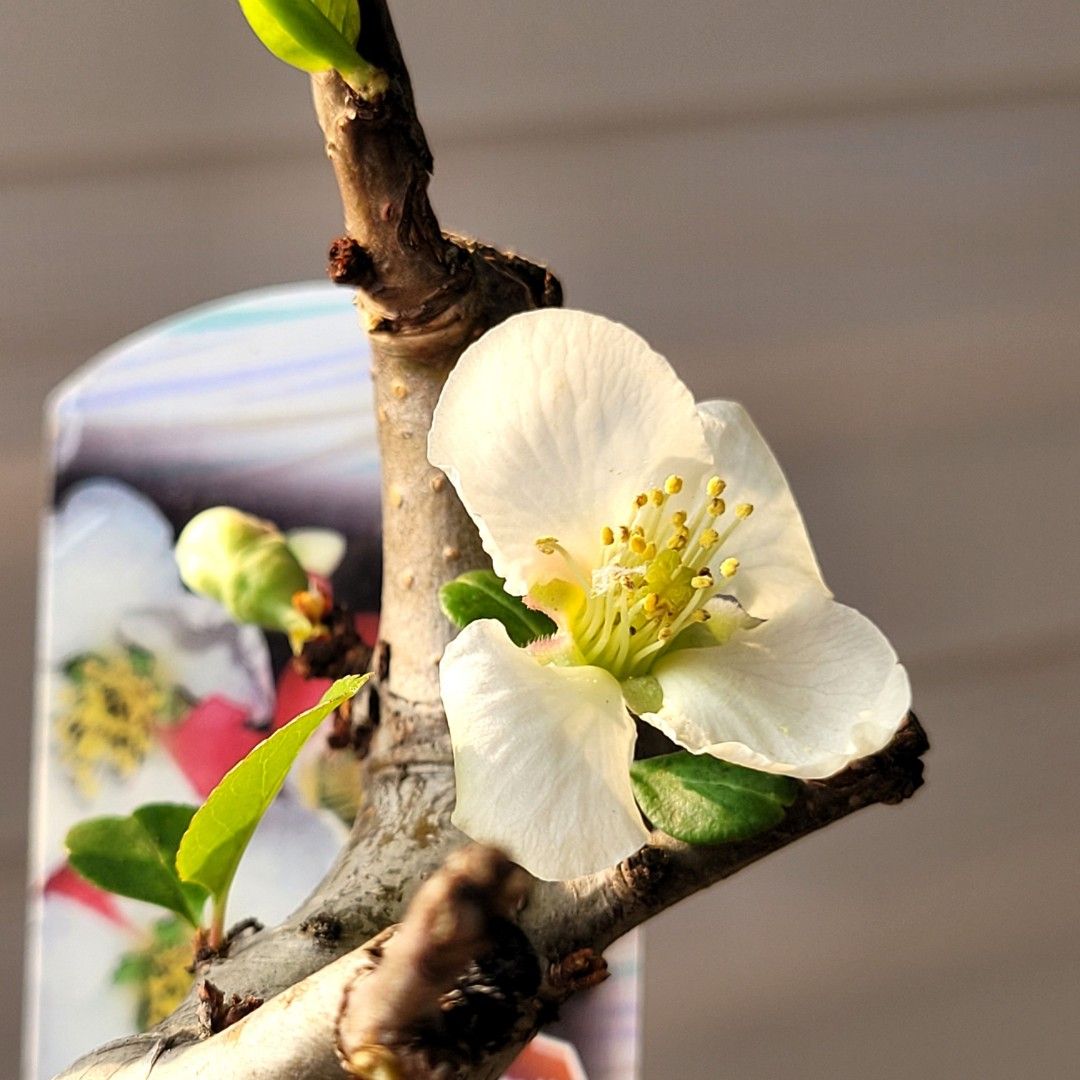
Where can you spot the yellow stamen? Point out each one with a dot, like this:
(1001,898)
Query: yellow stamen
(702,580)
(673,484)
(547,544)
(744,510)
(678,519)
(728,567)
(708,538)
(637,545)
(717,507)
(656,497)
(641,500)
(607,536)
(715,486)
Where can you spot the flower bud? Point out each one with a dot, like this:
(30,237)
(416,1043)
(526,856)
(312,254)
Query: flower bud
(246,565)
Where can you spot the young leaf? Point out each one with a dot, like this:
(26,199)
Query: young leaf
(701,800)
(479,594)
(136,856)
(314,35)
(211,849)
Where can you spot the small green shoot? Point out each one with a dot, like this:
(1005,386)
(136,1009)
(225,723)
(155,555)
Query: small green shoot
(214,843)
(316,35)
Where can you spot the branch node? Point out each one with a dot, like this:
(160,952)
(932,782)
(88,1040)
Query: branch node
(216,1012)
(350,264)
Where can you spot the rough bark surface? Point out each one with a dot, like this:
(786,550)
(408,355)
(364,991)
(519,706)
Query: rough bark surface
(467,1009)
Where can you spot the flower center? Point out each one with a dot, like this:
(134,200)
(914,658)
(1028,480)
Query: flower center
(659,572)
(114,704)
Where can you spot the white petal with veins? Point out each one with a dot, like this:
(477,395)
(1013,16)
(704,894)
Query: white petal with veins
(777,567)
(549,425)
(804,694)
(541,756)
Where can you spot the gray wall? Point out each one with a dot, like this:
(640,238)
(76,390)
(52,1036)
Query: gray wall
(861,218)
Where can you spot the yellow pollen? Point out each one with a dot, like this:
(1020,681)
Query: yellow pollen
(607,536)
(700,616)
(715,487)
(728,567)
(717,507)
(656,497)
(744,510)
(673,484)
(676,543)
(546,544)
(678,518)
(702,581)
(652,601)
(638,545)
(708,538)
(650,550)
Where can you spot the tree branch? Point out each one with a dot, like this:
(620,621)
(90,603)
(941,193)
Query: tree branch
(424,296)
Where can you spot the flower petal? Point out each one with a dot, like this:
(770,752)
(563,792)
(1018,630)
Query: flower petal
(777,566)
(78,1005)
(549,426)
(541,755)
(203,651)
(109,548)
(804,694)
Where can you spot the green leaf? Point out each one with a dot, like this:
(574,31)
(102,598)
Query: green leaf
(701,800)
(211,849)
(136,856)
(480,594)
(314,35)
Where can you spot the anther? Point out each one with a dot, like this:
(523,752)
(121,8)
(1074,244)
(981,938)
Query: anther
(673,484)
(650,551)
(678,518)
(700,616)
(744,510)
(664,633)
(702,581)
(624,533)
(652,601)
(546,544)
(656,497)
(637,545)
(607,536)
(717,507)
(715,487)
(641,500)
(728,567)
(708,538)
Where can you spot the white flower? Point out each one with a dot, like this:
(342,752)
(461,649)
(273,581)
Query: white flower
(663,540)
(127,652)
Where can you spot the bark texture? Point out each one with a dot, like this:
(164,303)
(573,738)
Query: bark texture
(467,979)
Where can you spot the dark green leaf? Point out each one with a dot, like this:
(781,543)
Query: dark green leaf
(136,856)
(211,849)
(479,594)
(701,800)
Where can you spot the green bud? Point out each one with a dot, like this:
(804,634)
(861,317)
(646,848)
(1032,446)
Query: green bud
(246,565)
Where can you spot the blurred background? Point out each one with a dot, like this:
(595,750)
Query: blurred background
(862,219)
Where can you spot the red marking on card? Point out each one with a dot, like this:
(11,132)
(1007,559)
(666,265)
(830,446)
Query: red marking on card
(65,882)
(210,740)
(546,1058)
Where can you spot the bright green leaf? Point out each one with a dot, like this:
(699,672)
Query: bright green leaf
(136,856)
(480,594)
(314,35)
(211,849)
(701,800)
